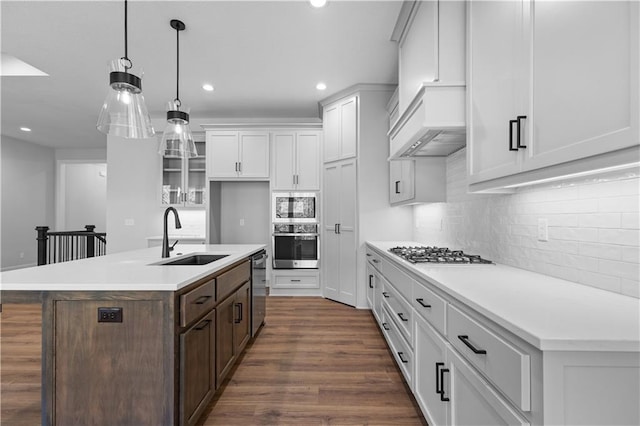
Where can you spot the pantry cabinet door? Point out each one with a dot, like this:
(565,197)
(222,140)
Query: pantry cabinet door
(496,85)
(331,245)
(585,80)
(332,133)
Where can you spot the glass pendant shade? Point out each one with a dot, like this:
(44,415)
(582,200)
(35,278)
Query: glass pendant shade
(177,139)
(124,112)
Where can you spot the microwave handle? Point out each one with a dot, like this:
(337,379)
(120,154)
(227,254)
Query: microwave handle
(295,234)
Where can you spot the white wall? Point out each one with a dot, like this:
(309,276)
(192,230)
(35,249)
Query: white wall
(593,226)
(27,199)
(247,202)
(85,196)
(132,193)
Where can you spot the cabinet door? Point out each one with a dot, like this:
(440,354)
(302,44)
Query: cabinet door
(242,319)
(371,280)
(349,128)
(254,154)
(496,82)
(347,233)
(585,80)
(225,355)
(401,181)
(332,133)
(197,368)
(431,351)
(331,256)
(308,161)
(473,400)
(172,180)
(222,154)
(284,161)
(196,183)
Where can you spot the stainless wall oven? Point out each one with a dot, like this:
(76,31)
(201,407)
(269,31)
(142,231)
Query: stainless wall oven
(295,246)
(295,207)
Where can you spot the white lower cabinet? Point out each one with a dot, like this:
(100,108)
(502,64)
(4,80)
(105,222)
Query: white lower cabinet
(465,369)
(473,401)
(431,355)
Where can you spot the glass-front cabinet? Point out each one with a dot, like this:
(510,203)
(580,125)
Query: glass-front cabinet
(184,179)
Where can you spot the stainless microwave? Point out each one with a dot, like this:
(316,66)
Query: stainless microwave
(295,207)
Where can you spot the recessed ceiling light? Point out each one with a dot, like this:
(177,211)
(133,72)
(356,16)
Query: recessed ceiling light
(318,3)
(208,87)
(25,129)
(321,86)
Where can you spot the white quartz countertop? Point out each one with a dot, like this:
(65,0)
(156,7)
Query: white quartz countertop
(133,270)
(549,313)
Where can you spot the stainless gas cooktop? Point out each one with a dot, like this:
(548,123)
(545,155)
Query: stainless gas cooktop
(438,255)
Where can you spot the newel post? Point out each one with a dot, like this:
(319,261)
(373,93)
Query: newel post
(42,244)
(91,240)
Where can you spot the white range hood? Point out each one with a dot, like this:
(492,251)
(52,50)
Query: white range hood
(433,125)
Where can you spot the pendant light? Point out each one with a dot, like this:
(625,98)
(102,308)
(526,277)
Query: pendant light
(177,140)
(124,112)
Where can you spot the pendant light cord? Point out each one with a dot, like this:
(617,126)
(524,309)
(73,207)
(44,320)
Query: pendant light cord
(126,61)
(177,101)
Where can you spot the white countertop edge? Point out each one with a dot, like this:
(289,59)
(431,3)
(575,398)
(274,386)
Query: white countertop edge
(544,344)
(132,268)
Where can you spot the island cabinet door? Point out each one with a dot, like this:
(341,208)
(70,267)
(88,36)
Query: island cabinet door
(197,368)
(225,354)
(242,322)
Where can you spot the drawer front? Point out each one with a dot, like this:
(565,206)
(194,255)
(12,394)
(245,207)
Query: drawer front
(228,282)
(401,351)
(430,306)
(373,258)
(400,310)
(503,364)
(401,281)
(197,302)
(290,281)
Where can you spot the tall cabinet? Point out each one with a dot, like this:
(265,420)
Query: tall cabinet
(355,191)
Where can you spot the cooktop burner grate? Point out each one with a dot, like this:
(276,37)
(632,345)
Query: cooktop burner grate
(439,255)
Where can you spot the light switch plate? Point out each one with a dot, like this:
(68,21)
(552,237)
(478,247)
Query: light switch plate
(129,222)
(543,229)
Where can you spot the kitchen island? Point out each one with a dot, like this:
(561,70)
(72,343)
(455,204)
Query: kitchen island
(129,340)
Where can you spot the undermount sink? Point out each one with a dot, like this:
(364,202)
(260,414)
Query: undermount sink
(197,259)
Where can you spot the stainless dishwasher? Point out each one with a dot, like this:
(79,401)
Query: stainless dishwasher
(258,290)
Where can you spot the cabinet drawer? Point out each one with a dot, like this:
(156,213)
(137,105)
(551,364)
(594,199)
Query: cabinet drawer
(401,351)
(197,301)
(373,258)
(400,310)
(430,306)
(401,281)
(228,282)
(295,281)
(503,364)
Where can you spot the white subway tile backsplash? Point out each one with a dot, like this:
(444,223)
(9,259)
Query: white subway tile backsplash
(600,220)
(626,270)
(630,220)
(593,226)
(627,237)
(630,288)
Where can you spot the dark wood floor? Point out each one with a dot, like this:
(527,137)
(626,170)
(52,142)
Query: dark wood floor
(315,362)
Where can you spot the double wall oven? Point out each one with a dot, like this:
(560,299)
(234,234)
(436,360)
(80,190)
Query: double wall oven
(295,240)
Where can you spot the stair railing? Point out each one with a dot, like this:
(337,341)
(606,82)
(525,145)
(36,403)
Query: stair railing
(62,246)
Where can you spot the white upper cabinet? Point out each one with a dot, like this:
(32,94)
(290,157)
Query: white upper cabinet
(296,160)
(340,129)
(551,83)
(237,154)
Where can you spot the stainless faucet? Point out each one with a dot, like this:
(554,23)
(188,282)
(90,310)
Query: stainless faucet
(165,237)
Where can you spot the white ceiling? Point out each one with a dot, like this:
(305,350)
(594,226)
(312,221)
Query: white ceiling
(264,59)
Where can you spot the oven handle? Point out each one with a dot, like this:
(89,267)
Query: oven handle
(294,234)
